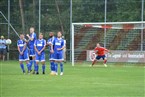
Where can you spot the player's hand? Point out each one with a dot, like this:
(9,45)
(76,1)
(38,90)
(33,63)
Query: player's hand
(27,35)
(39,53)
(52,51)
(59,49)
(21,53)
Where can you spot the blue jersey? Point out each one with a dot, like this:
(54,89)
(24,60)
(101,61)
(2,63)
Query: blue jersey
(50,41)
(21,44)
(31,43)
(40,44)
(2,43)
(58,43)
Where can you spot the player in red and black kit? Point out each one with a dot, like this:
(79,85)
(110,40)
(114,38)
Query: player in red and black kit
(100,52)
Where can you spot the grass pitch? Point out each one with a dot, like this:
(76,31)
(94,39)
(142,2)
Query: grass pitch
(77,81)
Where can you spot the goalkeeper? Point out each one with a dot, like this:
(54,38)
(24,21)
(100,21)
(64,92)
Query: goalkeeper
(100,52)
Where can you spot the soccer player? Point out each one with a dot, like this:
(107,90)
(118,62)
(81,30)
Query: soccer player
(51,54)
(23,53)
(100,52)
(58,45)
(39,46)
(31,39)
(2,48)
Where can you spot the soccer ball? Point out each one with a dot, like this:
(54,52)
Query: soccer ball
(8,41)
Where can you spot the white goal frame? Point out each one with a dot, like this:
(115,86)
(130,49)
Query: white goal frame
(101,23)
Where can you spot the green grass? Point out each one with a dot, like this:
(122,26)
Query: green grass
(77,81)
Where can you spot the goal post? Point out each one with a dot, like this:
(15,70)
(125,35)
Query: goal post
(119,34)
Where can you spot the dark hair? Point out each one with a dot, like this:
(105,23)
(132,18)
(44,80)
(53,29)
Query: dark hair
(21,33)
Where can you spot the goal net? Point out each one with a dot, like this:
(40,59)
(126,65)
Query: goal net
(123,38)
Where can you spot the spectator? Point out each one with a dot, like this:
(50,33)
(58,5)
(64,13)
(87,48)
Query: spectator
(2,48)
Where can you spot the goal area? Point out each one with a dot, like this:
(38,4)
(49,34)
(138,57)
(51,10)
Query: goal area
(125,39)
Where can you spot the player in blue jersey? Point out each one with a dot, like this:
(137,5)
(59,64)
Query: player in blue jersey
(39,46)
(23,53)
(31,39)
(51,54)
(58,46)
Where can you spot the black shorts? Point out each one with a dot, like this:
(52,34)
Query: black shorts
(99,57)
(2,51)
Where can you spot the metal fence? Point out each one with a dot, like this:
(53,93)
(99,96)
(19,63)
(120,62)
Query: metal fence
(58,15)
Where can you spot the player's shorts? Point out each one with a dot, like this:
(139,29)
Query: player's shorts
(31,52)
(58,56)
(24,57)
(99,57)
(51,56)
(2,51)
(40,58)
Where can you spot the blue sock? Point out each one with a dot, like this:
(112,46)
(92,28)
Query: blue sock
(31,62)
(61,67)
(43,68)
(51,66)
(56,66)
(22,67)
(28,66)
(37,67)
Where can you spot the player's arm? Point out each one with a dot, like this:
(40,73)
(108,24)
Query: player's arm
(26,40)
(43,47)
(36,47)
(108,51)
(30,38)
(48,43)
(63,46)
(25,45)
(19,49)
(95,51)
(52,46)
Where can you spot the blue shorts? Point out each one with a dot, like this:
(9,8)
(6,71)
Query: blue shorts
(58,56)
(24,57)
(51,56)
(99,57)
(31,52)
(40,58)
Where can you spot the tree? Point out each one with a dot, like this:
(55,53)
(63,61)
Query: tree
(58,12)
(22,15)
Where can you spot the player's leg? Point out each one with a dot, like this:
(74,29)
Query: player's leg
(55,63)
(32,61)
(26,58)
(43,63)
(28,66)
(52,64)
(60,57)
(94,61)
(22,66)
(56,67)
(21,59)
(37,64)
(61,68)
(33,58)
(3,54)
(97,58)
(105,60)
